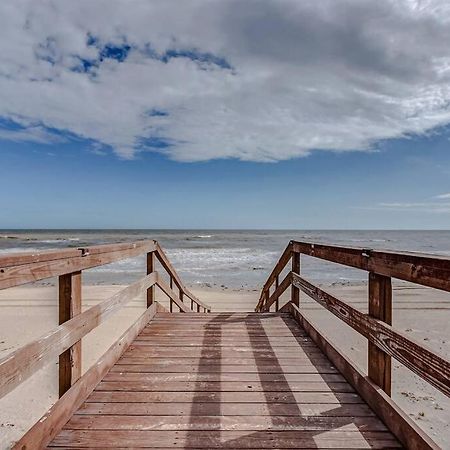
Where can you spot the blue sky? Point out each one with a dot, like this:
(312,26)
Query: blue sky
(237,114)
(69,186)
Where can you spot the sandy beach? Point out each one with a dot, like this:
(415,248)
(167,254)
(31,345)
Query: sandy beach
(28,312)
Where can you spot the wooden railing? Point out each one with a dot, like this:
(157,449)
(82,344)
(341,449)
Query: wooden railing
(384,341)
(65,340)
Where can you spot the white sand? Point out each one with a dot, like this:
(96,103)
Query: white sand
(28,312)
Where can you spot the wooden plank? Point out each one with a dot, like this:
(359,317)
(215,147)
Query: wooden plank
(380,307)
(334,398)
(280,265)
(223,377)
(227,409)
(69,289)
(427,270)
(269,301)
(52,422)
(228,386)
(226,439)
(163,366)
(417,358)
(150,269)
(402,426)
(15,275)
(295,291)
(224,423)
(244,360)
(172,295)
(164,261)
(23,362)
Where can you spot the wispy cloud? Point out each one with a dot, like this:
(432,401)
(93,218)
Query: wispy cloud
(443,196)
(425,207)
(253,80)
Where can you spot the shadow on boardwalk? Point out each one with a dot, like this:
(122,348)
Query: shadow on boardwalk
(284,424)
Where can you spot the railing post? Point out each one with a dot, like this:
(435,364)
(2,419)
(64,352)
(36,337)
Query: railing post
(69,287)
(150,268)
(380,307)
(295,291)
(277,301)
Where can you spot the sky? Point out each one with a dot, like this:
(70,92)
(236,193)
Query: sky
(225,114)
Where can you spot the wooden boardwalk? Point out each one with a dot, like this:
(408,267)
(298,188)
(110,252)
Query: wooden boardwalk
(224,381)
(200,380)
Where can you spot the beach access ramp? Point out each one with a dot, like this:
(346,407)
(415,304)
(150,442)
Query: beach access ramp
(183,376)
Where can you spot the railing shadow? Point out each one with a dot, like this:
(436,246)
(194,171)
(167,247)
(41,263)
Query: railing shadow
(289,425)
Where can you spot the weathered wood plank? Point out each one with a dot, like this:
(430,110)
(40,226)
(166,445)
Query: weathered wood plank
(280,265)
(227,409)
(226,386)
(164,261)
(58,415)
(380,307)
(226,439)
(270,300)
(400,424)
(179,367)
(172,295)
(427,270)
(223,377)
(150,269)
(417,358)
(69,288)
(295,291)
(224,423)
(23,362)
(335,398)
(18,274)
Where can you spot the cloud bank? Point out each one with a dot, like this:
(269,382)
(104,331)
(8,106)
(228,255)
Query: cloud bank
(200,80)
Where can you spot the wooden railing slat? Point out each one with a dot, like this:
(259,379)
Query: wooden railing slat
(58,415)
(21,274)
(172,295)
(402,426)
(164,261)
(287,281)
(427,270)
(295,291)
(23,362)
(420,360)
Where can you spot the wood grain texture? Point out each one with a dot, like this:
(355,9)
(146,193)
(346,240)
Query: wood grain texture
(417,358)
(380,307)
(25,361)
(58,415)
(400,424)
(427,270)
(199,397)
(69,292)
(41,268)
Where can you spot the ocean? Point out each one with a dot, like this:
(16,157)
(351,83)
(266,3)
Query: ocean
(233,259)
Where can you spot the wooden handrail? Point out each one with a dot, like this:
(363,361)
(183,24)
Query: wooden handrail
(25,361)
(65,340)
(386,342)
(404,349)
(383,340)
(164,261)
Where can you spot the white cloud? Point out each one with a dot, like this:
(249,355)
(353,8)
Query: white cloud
(425,207)
(334,75)
(443,196)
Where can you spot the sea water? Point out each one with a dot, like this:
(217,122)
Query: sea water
(227,259)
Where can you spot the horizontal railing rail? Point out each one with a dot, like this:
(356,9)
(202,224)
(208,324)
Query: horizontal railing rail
(65,340)
(384,341)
